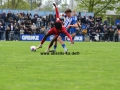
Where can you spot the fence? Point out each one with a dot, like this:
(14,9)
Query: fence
(43,13)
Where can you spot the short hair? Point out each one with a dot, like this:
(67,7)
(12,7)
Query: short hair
(58,25)
(68,10)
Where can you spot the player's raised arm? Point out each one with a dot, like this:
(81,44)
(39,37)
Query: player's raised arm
(57,12)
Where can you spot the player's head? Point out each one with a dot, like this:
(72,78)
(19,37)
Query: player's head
(68,12)
(58,25)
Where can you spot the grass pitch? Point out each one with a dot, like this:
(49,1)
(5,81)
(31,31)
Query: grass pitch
(96,68)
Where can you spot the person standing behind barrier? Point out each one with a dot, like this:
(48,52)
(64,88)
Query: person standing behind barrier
(33,27)
(12,29)
(44,21)
(92,34)
(119,35)
(97,35)
(51,17)
(6,21)
(105,33)
(116,35)
(36,17)
(47,21)
(17,32)
(111,34)
(16,17)
(84,27)
(118,27)
(2,30)
(29,15)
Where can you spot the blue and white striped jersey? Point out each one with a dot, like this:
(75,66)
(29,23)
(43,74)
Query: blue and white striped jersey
(69,21)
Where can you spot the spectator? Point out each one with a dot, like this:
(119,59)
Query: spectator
(2,30)
(38,30)
(47,21)
(105,34)
(97,35)
(33,27)
(33,20)
(106,22)
(12,29)
(29,15)
(28,31)
(39,22)
(9,15)
(15,24)
(118,27)
(44,20)
(43,30)
(51,17)
(92,34)
(16,17)
(111,34)
(16,32)
(116,35)
(6,21)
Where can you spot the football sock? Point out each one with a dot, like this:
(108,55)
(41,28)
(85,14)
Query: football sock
(73,38)
(63,45)
(55,47)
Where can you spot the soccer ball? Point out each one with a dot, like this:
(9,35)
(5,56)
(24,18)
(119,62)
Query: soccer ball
(33,48)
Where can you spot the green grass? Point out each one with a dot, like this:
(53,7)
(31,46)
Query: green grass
(96,68)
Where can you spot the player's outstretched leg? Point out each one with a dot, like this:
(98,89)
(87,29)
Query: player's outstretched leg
(43,40)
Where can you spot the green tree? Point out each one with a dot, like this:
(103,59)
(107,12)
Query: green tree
(15,4)
(48,5)
(97,6)
(20,4)
(63,6)
(35,3)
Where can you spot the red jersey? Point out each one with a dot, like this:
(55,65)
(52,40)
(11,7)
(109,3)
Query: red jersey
(54,31)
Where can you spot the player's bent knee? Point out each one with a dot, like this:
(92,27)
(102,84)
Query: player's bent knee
(59,38)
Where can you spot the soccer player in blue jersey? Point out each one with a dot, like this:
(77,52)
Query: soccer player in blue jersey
(70,24)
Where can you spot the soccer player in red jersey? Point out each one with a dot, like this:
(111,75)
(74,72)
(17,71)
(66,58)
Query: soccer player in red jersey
(59,28)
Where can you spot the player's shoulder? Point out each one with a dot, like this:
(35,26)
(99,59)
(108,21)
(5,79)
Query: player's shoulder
(73,17)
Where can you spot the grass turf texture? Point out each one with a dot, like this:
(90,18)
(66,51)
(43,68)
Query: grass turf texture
(96,68)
